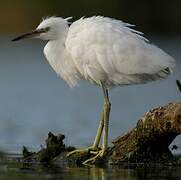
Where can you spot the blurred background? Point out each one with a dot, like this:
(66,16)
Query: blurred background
(34,101)
(150,16)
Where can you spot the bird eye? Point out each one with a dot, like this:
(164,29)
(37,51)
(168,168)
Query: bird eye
(46,29)
(43,30)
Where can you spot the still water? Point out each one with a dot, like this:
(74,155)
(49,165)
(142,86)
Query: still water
(38,172)
(34,101)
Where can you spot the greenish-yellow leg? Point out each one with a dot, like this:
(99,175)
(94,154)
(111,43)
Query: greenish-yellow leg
(94,149)
(103,125)
(99,131)
(106,112)
(107,108)
(104,122)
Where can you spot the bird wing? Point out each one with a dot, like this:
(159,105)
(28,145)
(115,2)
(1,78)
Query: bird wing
(107,46)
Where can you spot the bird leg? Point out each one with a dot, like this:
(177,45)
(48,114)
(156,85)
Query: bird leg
(106,112)
(99,131)
(107,109)
(94,150)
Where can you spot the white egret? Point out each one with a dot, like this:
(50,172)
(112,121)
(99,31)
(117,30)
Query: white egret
(105,52)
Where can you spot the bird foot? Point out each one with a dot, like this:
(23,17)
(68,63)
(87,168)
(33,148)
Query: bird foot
(97,159)
(83,152)
(88,156)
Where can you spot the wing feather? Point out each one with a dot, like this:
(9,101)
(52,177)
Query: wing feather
(111,47)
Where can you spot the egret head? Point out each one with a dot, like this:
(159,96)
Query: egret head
(52,28)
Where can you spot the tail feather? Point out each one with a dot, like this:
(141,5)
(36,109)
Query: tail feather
(140,78)
(164,73)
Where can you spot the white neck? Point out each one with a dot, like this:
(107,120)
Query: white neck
(61,61)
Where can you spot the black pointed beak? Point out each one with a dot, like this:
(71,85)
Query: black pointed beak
(31,34)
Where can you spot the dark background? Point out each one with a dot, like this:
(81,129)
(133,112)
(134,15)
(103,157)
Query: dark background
(153,16)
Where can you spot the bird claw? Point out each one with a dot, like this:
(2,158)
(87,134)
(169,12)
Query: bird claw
(83,152)
(94,155)
(99,157)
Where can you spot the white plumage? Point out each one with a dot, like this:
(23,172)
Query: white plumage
(104,49)
(105,52)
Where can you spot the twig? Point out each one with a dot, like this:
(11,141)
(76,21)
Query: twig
(178,85)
